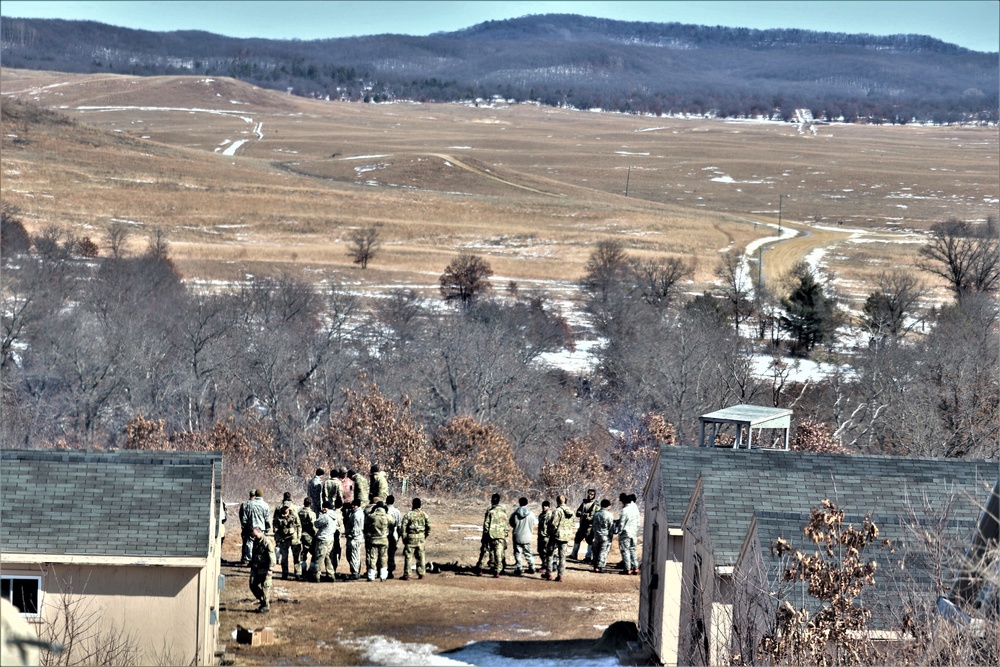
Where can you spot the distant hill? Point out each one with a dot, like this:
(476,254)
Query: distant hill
(561,59)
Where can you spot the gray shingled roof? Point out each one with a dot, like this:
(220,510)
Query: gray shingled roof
(68,502)
(784,485)
(780,488)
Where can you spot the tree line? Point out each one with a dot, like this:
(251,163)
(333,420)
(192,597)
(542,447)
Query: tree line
(103,348)
(562,60)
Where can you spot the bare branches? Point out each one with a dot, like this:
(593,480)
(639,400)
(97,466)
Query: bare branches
(969,259)
(364,243)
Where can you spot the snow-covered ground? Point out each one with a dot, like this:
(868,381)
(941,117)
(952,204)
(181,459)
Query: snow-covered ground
(381,650)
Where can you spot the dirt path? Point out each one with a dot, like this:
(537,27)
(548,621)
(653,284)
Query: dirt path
(780,257)
(482,172)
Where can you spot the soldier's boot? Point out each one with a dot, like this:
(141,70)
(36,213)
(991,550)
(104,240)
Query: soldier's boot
(420,576)
(405,577)
(558,577)
(575,554)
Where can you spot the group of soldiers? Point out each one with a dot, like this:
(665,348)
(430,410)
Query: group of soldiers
(360,511)
(307,542)
(556,528)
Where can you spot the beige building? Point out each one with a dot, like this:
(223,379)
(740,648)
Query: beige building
(127,544)
(710,585)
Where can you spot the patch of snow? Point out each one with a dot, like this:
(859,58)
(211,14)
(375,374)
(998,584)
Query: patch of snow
(629,153)
(231,150)
(364,157)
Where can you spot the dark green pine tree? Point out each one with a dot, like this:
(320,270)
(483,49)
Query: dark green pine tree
(810,315)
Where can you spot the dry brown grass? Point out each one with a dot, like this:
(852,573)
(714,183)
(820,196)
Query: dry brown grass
(531,188)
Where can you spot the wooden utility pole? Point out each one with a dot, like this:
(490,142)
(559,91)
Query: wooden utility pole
(628,177)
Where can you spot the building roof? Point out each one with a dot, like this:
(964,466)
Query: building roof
(774,491)
(134,503)
(782,487)
(752,415)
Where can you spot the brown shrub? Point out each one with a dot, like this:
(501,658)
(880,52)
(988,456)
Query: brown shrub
(375,429)
(469,455)
(815,436)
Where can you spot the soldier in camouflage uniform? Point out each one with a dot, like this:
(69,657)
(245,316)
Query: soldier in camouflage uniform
(246,532)
(379,482)
(495,531)
(604,522)
(287,535)
(360,487)
(354,526)
(544,552)
(314,489)
(258,515)
(396,524)
(378,523)
(326,526)
(561,529)
(261,561)
(414,530)
(585,513)
(307,519)
(333,492)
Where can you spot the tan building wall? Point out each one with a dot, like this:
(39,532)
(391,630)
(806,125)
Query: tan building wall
(156,611)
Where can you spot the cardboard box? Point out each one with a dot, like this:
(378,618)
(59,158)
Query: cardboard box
(258,637)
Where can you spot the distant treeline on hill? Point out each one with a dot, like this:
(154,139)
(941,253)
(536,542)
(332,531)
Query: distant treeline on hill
(562,60)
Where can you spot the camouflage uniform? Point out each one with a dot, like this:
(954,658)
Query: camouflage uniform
(246,532)
(314,489)
(380,485)
(394,535)
(544,553)
(261,561)
(361,489)
(307,519)
(354,526)
(326,526)
(603,534)
(414,530)
(288,536)
(377,526)
(333,493)
(561,530)
(258,515)
(585,512)
(495,531)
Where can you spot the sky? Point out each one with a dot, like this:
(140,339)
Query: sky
(974,24)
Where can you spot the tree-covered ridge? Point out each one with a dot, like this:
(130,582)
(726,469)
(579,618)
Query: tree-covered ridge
(564,60)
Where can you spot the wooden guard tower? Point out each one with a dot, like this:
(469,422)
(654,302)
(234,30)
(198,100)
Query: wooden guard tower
(746,418)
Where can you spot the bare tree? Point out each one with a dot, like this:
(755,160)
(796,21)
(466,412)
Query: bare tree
(658,279)
(889,310)
(158,246)
(364,243)
(737,286)
(118,234)
(465,278)
(606,266)
(968,258)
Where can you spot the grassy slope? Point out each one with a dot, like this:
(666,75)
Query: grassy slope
(532,188)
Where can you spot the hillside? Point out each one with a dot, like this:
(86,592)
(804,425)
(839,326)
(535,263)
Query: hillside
(236,172)
(561,60)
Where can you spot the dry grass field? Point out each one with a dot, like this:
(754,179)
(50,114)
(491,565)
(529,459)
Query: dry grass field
(531,188)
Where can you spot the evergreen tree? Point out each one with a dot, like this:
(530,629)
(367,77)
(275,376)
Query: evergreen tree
(810,315)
